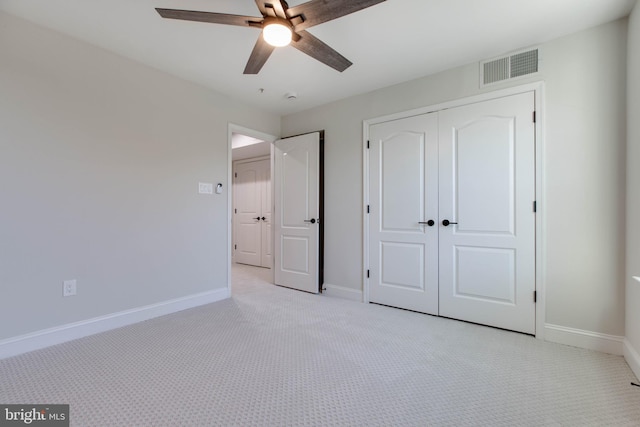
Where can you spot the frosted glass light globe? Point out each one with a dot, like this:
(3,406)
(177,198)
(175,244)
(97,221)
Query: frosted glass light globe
(277,34)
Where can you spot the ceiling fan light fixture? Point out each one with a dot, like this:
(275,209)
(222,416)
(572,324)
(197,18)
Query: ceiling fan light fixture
(277,32)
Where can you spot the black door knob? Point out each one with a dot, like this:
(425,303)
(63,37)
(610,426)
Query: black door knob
(312,220)
(430,223)
(446,222)
(258,218)
(263,218)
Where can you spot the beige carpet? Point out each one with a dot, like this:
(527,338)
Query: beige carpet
(277,357)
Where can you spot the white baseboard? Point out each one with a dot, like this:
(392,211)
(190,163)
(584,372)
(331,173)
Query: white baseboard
(59,334)
(342,292)
(632,357)
(611,344)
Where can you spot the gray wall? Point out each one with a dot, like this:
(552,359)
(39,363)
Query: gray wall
(584,167)
(633,183)
(100,160)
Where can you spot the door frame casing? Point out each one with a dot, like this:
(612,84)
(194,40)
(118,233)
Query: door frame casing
(540,251)
(231,129)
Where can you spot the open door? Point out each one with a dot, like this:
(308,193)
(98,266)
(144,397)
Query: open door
(298,212)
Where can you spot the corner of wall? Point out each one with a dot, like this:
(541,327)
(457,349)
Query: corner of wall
(342,292)
(632,357)
(632,295)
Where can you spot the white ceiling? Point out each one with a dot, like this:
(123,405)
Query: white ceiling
(259,149)
(246,147)
(389,43)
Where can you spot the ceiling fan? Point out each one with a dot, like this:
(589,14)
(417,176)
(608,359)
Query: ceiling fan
(282,25)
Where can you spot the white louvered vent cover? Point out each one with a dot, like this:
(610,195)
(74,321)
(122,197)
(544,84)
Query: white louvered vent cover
(509,67)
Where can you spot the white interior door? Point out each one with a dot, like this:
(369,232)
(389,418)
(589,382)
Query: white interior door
(247,217)
(403,159)
(252,199)
(296,175)
(487,190)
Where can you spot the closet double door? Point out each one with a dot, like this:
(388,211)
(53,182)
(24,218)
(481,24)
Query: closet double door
(252,213)
(452,221)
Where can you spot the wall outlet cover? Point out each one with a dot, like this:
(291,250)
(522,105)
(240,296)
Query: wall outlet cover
(69,288)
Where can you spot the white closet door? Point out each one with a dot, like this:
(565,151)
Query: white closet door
(296,176)
(403,158)
(249,193)
(247,217)
(487,190)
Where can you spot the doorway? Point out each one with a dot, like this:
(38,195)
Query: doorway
(249,147)
(281,228)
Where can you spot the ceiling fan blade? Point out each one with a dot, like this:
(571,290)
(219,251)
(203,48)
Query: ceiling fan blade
(273,8)
(211,17)
(316,12)
(261,52)
(316,48)
(262,7)
(280,7)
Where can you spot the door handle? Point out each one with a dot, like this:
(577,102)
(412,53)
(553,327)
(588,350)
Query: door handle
(263,218)
(430,223)
(312,220)
(258,218)
(446,222)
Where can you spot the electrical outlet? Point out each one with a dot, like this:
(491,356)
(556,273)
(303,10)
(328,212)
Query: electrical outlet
(68,288)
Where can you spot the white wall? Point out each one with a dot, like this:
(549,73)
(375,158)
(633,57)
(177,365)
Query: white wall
(584,167)
(100,160)
(632,350)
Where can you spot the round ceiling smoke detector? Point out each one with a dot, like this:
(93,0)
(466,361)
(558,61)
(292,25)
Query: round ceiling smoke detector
(291,95)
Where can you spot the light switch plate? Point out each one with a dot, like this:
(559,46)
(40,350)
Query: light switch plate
(205,188)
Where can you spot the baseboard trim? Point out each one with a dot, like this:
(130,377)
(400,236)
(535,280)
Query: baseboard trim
(611,344)
(342,292)
(71,331)
(632,357)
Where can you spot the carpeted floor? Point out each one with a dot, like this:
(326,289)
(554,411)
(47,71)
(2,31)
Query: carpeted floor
(271,356)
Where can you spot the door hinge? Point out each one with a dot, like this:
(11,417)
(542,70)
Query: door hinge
(236,174)
(368,209)
(235,247)
(236,210)
(535,206)
(368,273)
(534,117)
(368,144)
(535,296)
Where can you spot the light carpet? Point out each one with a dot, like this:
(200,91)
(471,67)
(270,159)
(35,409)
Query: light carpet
(271,356)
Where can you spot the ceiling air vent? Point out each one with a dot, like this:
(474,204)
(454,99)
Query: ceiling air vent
(509,67)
